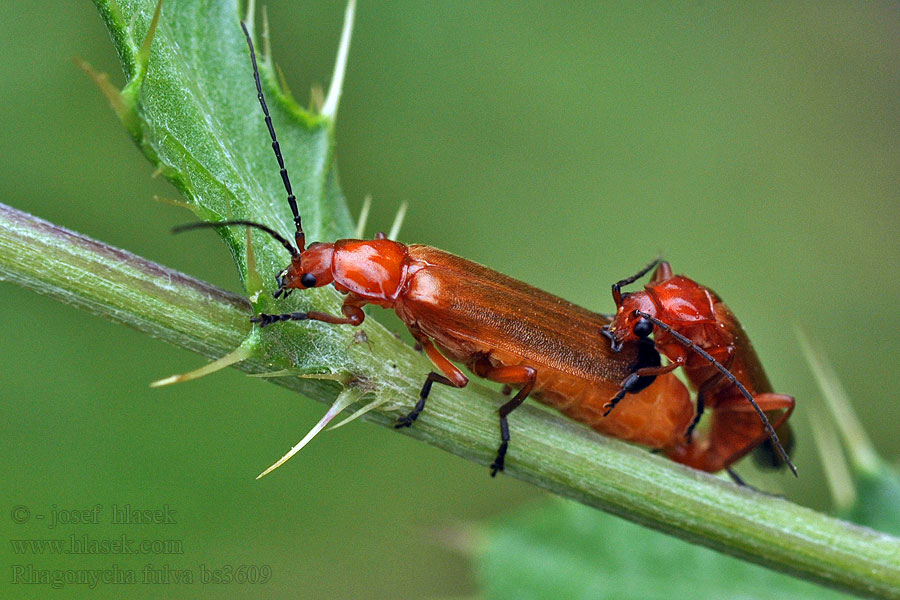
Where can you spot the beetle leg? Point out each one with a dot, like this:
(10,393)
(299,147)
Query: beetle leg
(707,386)
(657,371)
(516,375)
(454,377)
(409,418)
(264,320)
(768,402)
(353,315)
(734,431)
(633,383)
(737,479)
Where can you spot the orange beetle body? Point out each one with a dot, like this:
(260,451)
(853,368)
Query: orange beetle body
(698,314)
(489,321)
(500,328)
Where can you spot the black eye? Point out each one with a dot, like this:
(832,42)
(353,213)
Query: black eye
(308,280)
(643,328)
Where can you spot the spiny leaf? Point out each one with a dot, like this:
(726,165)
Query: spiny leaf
(190,104)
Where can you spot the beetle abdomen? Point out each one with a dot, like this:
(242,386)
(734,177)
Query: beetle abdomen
(474,313)
(467,308)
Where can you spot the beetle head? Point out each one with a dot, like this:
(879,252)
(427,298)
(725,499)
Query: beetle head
(308,269)
(627,325)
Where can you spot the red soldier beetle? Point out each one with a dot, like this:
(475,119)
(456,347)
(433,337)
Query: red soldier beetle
(696,331)
(502,329)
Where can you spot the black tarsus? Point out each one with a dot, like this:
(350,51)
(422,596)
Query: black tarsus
(205,225)
(701,406)
(737,478)
(618,397)
(408,419)
(265,320)
(292,200)
(505,409)
(728,375)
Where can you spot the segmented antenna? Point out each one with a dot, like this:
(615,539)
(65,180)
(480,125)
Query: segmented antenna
(292,200)
(617,286)
(204,225)
(689,344)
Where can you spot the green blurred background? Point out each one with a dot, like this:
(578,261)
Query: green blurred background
(755,146)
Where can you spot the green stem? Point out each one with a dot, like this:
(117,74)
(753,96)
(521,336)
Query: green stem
(551,452)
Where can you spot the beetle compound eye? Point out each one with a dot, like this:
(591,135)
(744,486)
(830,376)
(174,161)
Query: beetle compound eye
(308,280)
(643,328)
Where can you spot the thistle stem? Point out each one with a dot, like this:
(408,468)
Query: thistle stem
(553,453)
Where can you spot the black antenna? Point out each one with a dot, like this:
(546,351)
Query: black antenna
(292,200)
(689,344)
(617,286)
(204,225)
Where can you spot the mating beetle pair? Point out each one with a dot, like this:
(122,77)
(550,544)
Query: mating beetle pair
(605,372)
